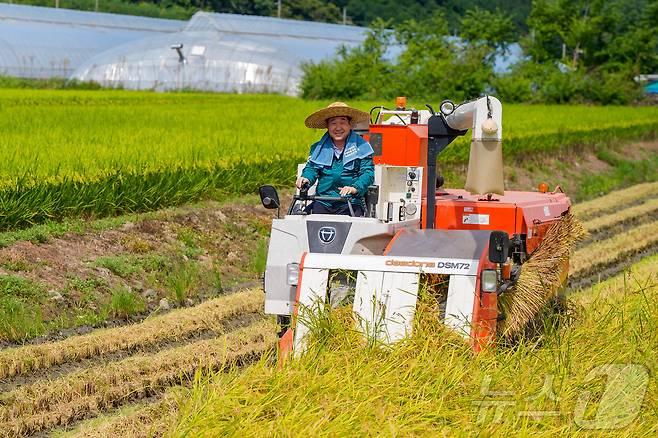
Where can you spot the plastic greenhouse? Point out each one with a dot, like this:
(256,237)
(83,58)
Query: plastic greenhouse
(45,42)
(221,52)
(215,52)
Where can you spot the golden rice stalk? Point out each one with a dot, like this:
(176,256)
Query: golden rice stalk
(617,247)
(174,325)
(642,210)
(50,403)
(613,200)
(541,276)
(137,421)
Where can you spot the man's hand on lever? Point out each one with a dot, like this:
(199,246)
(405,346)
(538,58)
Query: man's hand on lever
(347,190)
(301,181)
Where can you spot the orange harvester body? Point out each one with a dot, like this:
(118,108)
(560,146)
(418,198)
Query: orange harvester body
(516,212)
(412,226)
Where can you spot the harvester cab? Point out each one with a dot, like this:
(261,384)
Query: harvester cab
(475,239)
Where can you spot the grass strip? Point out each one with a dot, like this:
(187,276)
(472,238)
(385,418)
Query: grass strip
(614,200)
(615,248)
(47,404)
(433,385)
(621,216)
(177,324)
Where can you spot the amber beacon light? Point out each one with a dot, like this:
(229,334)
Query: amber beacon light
(401,102)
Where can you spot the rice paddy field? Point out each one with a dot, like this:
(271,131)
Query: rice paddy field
(208,370)
(127,325)
(67,153)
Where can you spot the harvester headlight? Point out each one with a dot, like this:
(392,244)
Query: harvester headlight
(489,280)
(292,274)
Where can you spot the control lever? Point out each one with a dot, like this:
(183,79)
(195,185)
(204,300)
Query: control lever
(303,191)
(372,198)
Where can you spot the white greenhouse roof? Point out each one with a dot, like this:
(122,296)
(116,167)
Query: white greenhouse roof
(222,52)
(46,42)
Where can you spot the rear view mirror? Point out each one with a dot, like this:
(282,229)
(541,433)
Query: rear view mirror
(269,197)
(498,246)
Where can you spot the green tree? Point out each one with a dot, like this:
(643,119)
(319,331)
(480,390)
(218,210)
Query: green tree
(493,29)
(360,71)
(314,10)
(612,34)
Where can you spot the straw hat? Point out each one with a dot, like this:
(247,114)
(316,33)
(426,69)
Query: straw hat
(318,119)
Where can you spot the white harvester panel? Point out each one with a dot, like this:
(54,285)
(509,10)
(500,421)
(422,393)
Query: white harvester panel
(386,292)
(385,303)
(400,191)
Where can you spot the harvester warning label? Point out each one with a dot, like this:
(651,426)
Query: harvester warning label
(475,219)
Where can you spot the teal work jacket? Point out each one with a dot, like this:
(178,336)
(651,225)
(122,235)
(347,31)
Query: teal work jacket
(354,168)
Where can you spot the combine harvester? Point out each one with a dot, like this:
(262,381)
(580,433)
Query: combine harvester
(482,241)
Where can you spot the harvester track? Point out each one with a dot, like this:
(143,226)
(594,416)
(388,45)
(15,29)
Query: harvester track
(616,201)
(183,324)
(608,226)
(605,271)
(618,237)
(615,250)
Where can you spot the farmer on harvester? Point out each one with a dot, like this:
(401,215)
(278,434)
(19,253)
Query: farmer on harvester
(341,162)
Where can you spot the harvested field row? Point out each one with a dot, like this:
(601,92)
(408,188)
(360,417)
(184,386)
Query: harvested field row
(139,420)
(608,251)
(66,368)
(646,209)
(634,277)
(179,324)
(615,200)
(47,404)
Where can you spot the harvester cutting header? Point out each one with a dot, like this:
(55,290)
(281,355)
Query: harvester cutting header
(478,239)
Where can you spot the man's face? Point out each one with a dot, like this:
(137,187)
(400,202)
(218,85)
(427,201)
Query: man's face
(339,128)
